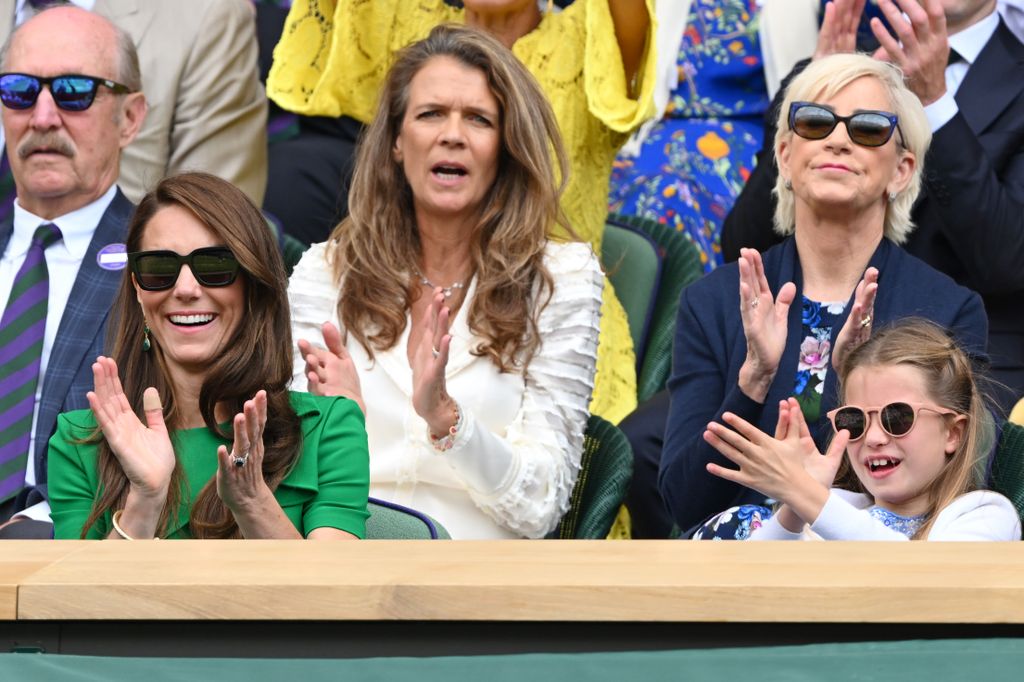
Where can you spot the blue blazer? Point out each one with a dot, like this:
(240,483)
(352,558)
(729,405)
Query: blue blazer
(710,347)
(80,336)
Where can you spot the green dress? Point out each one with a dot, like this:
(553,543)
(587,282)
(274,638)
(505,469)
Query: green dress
(327,487)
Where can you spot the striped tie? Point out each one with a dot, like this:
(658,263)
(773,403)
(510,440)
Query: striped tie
(21,343)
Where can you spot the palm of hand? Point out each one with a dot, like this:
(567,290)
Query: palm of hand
(145,454)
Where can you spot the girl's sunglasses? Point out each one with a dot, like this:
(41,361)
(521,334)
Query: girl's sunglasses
(867,128)
(896,419)
(71,92)
(213,266)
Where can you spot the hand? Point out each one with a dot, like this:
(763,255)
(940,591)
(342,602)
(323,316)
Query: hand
(923,47)
(773,467)
(857,328)
(242,487)
(331,371)
(838,33)
(143,450)
(792,425)
(428,360)
(765,323)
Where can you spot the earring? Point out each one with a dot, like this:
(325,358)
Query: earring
(146,345)
(892,196)
(788,183)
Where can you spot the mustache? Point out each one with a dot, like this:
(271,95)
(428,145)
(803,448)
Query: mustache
(51,142)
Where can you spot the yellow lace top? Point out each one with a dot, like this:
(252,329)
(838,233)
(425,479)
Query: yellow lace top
(333,57)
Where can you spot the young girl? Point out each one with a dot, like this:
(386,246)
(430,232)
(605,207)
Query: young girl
(910,426)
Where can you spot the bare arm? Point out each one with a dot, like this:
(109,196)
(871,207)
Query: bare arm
(631,27)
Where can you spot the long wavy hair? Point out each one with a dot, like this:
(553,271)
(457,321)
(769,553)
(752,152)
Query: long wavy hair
(373,252)
(951,383)
(256,356)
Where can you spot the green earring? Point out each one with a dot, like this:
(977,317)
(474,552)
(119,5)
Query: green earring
(146,345)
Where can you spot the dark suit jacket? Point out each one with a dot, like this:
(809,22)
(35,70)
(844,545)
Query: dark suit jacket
(80,337)
(710,347)
(970,217)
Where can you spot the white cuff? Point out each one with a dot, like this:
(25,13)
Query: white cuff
(941,111)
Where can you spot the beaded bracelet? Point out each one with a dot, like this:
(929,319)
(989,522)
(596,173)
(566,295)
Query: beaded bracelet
(448,440)
(117,527)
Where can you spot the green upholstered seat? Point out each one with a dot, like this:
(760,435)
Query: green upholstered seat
(605,470)
(390,521)
(630,259)
(1008,467)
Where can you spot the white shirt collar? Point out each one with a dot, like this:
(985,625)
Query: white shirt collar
(76,227)
(972,40)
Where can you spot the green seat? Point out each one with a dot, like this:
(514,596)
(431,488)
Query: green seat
(390,521)
(1008,467)
(292,250)
(680,266)
(605,470)
(630,259)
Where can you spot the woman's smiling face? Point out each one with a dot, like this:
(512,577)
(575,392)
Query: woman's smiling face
(191,322)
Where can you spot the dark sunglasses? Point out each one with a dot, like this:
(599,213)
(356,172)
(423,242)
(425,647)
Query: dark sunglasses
(213,266)
(867,128)
(896,419)
(72,92)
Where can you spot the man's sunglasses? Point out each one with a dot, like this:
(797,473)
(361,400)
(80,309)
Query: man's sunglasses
(867,128)
(896,419)
(213,266)
(72,92)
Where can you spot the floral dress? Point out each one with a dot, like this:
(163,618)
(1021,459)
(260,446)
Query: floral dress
(695,161)
(819,319)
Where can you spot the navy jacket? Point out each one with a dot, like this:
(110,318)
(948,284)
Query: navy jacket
(710,347)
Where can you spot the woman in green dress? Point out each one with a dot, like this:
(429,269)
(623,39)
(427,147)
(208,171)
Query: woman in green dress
(192,431)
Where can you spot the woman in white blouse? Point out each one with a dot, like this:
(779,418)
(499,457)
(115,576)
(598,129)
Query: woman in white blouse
(467,335)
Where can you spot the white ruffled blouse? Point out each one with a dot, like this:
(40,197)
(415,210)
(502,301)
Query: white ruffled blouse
(517,455)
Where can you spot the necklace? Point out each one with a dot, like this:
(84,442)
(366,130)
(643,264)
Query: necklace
(447,291)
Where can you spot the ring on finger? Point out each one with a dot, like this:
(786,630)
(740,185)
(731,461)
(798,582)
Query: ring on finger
(754,303)
(865,321)
(240,461)
(435,352)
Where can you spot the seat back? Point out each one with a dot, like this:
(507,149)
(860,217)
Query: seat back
(630,259)
(390,521)
(606,468)
(1008,466)
(680,266)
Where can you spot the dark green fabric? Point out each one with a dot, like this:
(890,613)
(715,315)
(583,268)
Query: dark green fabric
(292,250)
(606,468)
(1008,468)
(680,266)
(631,264)
(386,523)
(946,660)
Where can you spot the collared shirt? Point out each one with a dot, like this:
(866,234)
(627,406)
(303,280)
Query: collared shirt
(63,260)
(968,43)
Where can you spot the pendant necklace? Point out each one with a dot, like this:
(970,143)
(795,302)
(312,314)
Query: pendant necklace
(447,291)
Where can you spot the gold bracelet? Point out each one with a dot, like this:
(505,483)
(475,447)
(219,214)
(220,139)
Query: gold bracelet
(117,527)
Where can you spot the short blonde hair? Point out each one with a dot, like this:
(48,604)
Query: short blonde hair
(825,77)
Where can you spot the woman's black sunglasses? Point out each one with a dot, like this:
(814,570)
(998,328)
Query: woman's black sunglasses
(867,128)
(71,92)
(213,266)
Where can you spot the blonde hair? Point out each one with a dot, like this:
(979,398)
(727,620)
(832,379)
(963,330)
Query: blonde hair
(374,251)
(824,78)
(950,382)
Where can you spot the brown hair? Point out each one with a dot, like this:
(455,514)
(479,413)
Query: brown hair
(951,383)
(374,251)
(257,356)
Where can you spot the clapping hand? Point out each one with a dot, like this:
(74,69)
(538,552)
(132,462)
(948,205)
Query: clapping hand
(857,328)
(838,33)
(428,360)
(331,371)
(144,451)
(765,321)
(240,472)
(922,50)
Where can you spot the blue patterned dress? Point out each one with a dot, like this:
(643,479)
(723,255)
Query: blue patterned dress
(697,158)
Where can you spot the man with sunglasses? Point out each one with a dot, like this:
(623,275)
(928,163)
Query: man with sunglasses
(68,112)
(966,66)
